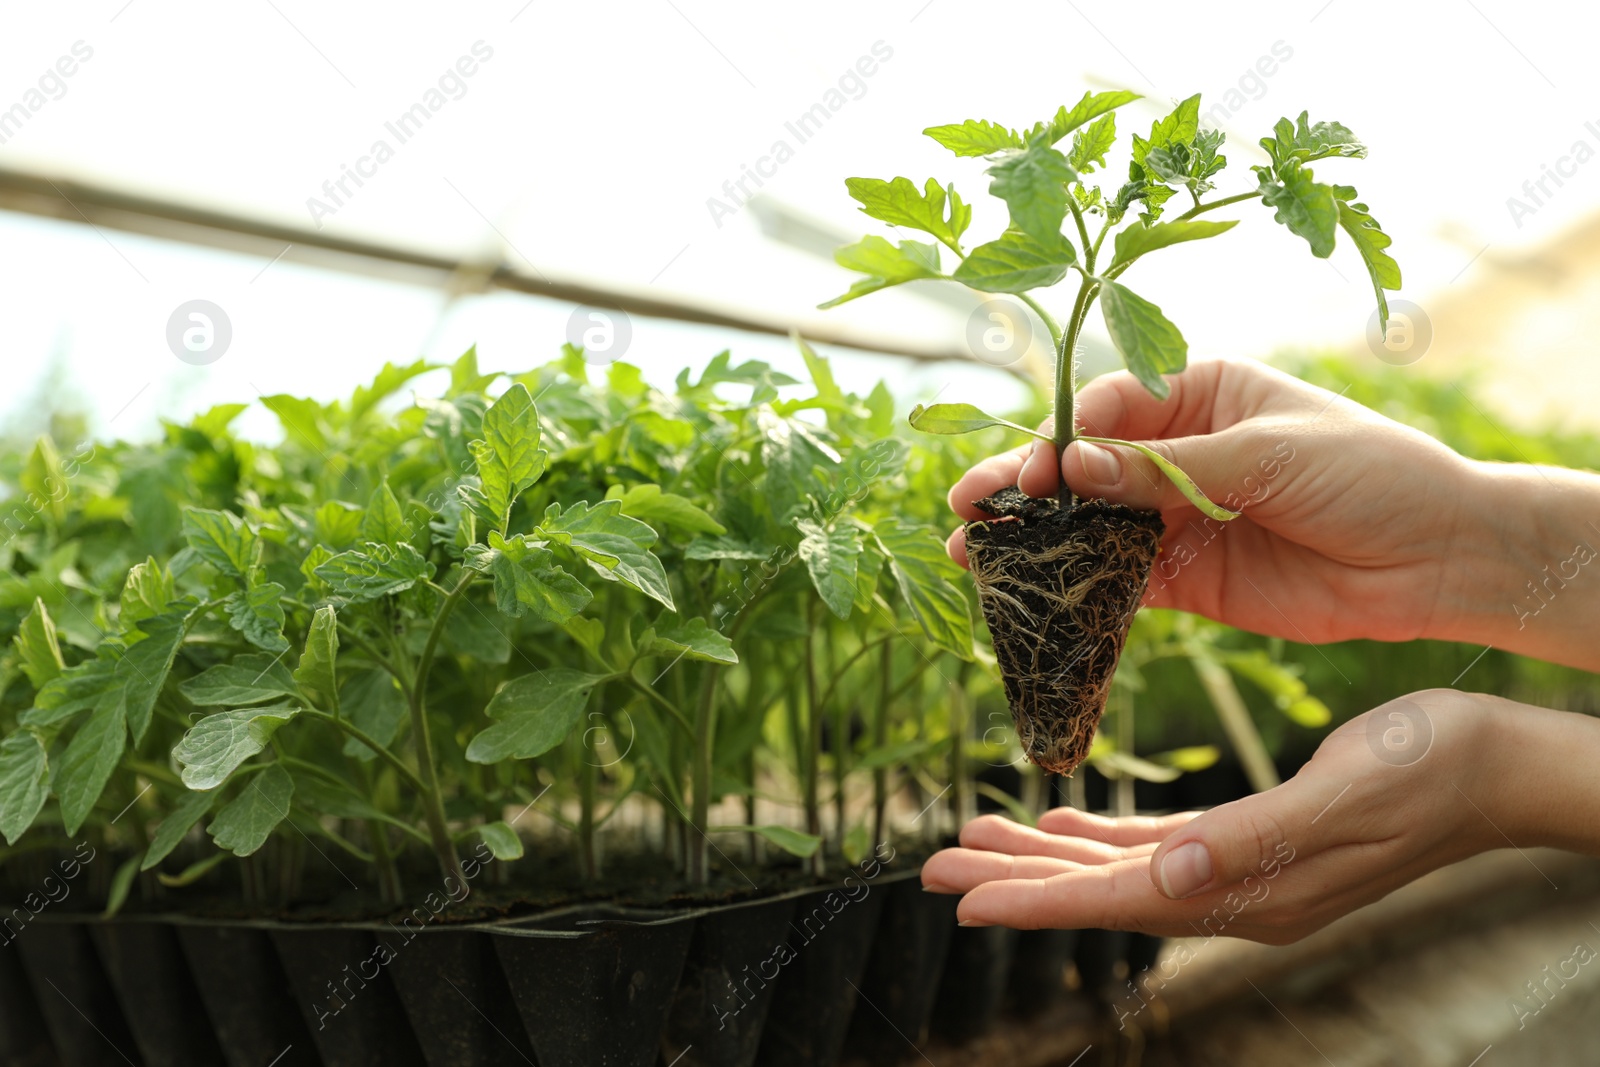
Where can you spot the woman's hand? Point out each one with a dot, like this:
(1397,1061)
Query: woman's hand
(1413,785)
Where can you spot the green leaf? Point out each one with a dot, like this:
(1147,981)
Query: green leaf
(1033,183)
(1301,142)
(885,265)
(962,418)
(316,794)
(1150,345)
(1307,207)
(1019,811)
(249,679)
(37,647)
(245,822)
(652,505)
(176,826)
(87,764)
(383,521)
(1188,760)
(936,210)
(375,705)
(216,745)
(1089,147)
(374,571)
(792,841)
(1092,106)
(975,137)
(121,883)
(386,384)
(1016,263)
(1116,764)
(509,457)
(24,783)
(1186,485)
(693,638)
(257,613)
(924,574)
(830,555)
(1372,243)
(192,873)
(317,661)
(616,546)
(143,668)
(77,688)
(302,420)
(1177,128)
(1280,682)
(222,539)
(503,842)
(339,524)
(1134,241)
(528,578)
(800,465)
(536,712)
(148,591)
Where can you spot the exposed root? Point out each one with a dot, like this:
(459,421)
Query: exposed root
(1059,593)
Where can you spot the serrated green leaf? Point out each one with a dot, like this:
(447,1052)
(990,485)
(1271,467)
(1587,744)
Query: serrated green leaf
(222,539)
(216,745)
(1089,146)
(1373,244)
(148,591)
(692,638)
(1306,206)
(1033,183)
(503,842)
(302,420)
(936,210)
(248,679)
(962,418)
(1138,239)
(975,137)
(650,504)
(794,456)
(1092,106)
(75,689)
(924,575)
(1179,127)
(1016,263)
(37,647)
(90,758)
(24,783)
(885,265)
(144,667)
(338,524)
(374,571)
(375,705)
(245,822)
(508,455)
(176,826)
(316,670)
(1301,142)
(383,521)
(528,578)
(830,556)
(1150,345)
(257,613)
(534,713)
(616,547)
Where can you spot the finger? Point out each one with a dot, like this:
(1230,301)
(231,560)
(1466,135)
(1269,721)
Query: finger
(1133,830)
(1208,396)
(1041,474)
(956,545)
(1220,464)
(998,834)
(959,870)
(1253,836)
(985,478)
(1114,896)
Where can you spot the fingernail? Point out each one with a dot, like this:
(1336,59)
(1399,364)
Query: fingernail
(1103,466)
(973,922)
(1185,869)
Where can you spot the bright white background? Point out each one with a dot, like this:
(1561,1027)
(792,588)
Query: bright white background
(588,146)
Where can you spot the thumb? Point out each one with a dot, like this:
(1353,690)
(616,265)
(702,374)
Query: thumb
(1221,464)
(1232,842)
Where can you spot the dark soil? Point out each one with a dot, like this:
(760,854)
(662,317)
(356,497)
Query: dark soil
(1059,590)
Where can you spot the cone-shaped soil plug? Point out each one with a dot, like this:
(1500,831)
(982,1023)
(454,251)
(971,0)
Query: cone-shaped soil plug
(1059,591)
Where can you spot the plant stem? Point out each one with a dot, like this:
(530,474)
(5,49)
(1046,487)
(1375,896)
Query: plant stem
(433,800)
(406,773)
(1044,316)
(586,800)
(880,739)
(1236,722)
(1066,392)
(705,729)
(1224,202)
(813,749)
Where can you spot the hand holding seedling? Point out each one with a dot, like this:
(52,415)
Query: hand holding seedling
(1060,579)
(1360,820)
(1353,525)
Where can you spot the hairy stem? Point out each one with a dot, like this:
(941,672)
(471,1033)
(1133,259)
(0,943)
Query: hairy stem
(1066,391)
